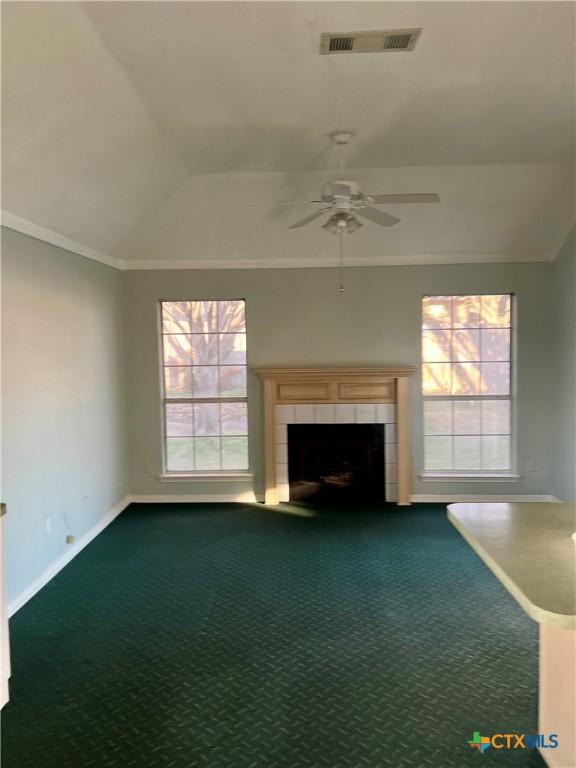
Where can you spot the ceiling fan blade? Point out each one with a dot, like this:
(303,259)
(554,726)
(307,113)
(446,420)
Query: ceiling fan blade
(308,219)
(421,197)
(378,217)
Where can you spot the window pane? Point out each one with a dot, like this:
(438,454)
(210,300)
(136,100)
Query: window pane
(436,378)
(207,453)
(496,417)
(465,378)
(437,312)
(206,419)
(496,452)
(231,316)
(436,346)
(465,345)
(234,418)
(466,353)
(179,453)
(179,420)
(495,379)
(496,311)
(204,316)
(232,381)
(438,452)
(233,348)
(235,453)
(496,345)
(205,349)
(437,417)
(204,358)
(178,382)
(467,417)
(466,311)
(205,381)
(467,452)
(177,349)
(176,317)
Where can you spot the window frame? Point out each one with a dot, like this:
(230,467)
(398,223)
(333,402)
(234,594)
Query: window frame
(468,475)
(191,474)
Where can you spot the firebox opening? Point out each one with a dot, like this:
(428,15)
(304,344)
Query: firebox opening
(336,463)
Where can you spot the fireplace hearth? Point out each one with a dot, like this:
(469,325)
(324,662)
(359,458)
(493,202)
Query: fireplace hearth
(336,463)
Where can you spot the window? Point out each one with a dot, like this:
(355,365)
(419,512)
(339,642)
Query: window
(466,369)
(204,383)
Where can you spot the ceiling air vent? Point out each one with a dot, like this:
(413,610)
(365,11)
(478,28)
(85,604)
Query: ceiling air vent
(399,41)
(338,43)
(380,41)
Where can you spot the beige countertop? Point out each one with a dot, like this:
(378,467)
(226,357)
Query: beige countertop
(529,547)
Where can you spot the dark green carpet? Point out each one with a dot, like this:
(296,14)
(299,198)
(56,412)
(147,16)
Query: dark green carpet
(230,636)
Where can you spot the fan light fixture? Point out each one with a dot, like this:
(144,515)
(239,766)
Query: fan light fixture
(342,222)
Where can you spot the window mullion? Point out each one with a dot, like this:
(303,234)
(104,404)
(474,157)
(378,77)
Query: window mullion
(451,358)
(481,430)
(205,399)
(219,363)
(435,398)
(194,441)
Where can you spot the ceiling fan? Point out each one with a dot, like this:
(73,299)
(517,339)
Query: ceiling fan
(345,201)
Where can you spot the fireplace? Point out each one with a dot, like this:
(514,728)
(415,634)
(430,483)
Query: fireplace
(375,397)
(336,463)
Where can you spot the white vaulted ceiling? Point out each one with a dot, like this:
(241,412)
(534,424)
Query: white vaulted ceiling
(142,129)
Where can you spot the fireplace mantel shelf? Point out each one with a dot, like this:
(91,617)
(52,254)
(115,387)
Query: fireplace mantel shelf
(377,385)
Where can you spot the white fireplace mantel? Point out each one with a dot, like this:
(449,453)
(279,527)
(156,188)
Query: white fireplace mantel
(358,388)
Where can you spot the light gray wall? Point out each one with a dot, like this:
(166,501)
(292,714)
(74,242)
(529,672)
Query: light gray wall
(297,317)
(564,372)
(63,415)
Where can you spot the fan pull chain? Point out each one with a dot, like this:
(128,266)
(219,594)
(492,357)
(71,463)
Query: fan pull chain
(341,262)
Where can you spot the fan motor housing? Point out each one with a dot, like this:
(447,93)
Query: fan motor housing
(333,189)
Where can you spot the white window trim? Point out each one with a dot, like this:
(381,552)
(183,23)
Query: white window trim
(489,476)
(217,475)
(467,477)
(177,476)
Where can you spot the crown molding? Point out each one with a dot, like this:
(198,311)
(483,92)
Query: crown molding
(25,227)
(554,254)
(328,262)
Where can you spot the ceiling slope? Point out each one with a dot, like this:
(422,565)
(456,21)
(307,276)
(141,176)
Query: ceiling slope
(486,213)
(140,130)
(81,155)
(241,87)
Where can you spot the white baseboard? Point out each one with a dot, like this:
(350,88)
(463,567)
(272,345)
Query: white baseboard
(193,498)
(4,692)
(440,498)
(69,555)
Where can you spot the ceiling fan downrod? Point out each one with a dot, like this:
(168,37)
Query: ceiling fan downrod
(341,261)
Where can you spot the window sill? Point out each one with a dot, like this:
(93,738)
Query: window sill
(174,477)
(484,477)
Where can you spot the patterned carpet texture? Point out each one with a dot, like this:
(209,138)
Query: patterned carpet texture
(238,636)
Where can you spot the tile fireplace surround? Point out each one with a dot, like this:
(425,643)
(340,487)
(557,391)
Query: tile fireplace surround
(337,396)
